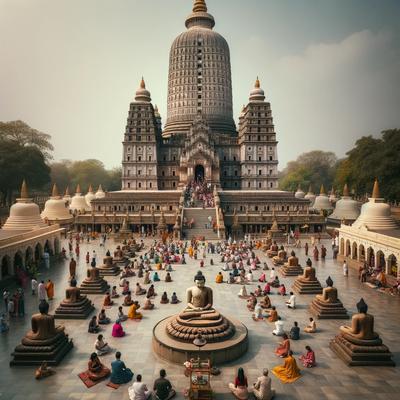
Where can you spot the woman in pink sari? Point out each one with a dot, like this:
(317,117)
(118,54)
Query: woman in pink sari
(117,330)
(308,359)
(284,347)
(267,288)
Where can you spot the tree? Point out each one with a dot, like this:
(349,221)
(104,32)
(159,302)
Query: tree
(373,158)
(313,168)
(60,173)
(21,162)
(21,133)
(114,179)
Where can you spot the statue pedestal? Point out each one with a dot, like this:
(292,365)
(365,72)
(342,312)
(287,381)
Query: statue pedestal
(324,310)
(272,253)
(35,352)
(356,352)
(291,270)
(94,286)
(173,350)
(301,286)
(77,310)
(109,268)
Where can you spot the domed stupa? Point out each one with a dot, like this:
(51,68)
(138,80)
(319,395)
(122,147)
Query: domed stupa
(197,56)
(257,94)
(56,210)
(90,196)
(100,193)
(78,202)
(67,197)
(332,196)
(310,196)
(376,215)
(24,214)
(322,202)
(299,193)
(346,208)
(142,94)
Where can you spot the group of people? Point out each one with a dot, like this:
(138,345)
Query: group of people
(199,191)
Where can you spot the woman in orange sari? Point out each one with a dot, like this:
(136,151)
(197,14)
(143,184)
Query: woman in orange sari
(50,289)
(289,372)
(284,347)
(133,314)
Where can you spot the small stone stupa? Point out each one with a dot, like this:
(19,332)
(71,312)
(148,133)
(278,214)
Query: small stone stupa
(74,306)
(346,209)
(292,267)
(327,305)
(100,193)
(90,196)
(24,214)
(308,282)
(358,344)
(310,196)
(45,342)
(78,202)
(56,211)
(299,193)
(322,202)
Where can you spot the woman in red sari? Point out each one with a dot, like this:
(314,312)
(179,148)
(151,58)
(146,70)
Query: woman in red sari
(308,359)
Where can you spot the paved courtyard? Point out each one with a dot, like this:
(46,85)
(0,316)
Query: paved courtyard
(330,380)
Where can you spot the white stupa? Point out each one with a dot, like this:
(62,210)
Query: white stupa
(100,193)
(375,214)
(346,208)
(299,193)
(332,196)
(24,214)
(310,196)
(78,202)
(90,196)
(322,202)
(56,210)
(67,197)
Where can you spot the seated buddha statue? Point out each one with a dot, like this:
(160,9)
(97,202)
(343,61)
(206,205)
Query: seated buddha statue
(199,316)
(308,273)
(293,261)
(118,253)
(329,294)
(362,325)
(43,326)
(92,274)
(73,293)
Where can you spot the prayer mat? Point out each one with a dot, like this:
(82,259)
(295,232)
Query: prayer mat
(113,385)
(86,380)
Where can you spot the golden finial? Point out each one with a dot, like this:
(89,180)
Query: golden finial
(332,191)
(375,191)
(24,190)
(67,191)
(54,192)
(100,189)
(257,84)
(142,84)
(78,188)
(322,191)
(199,6)
(346,190)
(90,190)
(310,189)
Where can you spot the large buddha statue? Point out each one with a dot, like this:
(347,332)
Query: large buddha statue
(273,250)
(199,316)
(292,267)
(358,344)
(327,305)
(280,258)
(109,267)
(308,282)
(44,342)
(75,305)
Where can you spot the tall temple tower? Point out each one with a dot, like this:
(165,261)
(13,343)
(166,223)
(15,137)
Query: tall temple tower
(199,80)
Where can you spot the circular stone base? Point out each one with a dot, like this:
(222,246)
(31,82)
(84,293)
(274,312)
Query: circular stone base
(178,352)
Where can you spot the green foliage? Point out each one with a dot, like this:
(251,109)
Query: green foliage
(313,168)
(373,158)
(22,134)
(86,172)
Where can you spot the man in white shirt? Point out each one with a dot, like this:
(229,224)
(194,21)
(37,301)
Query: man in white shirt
(291,303)
(278,331)
(262,388)
(34,286)
(138,390)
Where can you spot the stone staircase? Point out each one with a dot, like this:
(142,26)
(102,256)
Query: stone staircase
(200,216)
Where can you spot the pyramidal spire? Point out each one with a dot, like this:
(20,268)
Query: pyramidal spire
(67,191)
(322,190)
(375,191)
(310,189)
(78,189)
(257,83)
(346,192)
(24,190)
(54,192)
(100,189)
(90,190)
(142,84)
(200,6)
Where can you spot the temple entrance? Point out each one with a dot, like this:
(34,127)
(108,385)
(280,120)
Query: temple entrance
(199,173)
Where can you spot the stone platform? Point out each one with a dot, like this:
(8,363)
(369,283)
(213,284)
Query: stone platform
(53,352)
(292,270)
(78,310)
(99,286)
(361,354)
(325,310)
(310,287)
(218,352)
(109,267)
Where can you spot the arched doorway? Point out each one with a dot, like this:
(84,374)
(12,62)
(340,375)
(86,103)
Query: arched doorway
(18,261)
(380,260)
(28,256)
(56,246)
(38,252)
(348,248)
(354,251)
(361,253)
(392,265)
(5,266)
(371,257)
(199,173)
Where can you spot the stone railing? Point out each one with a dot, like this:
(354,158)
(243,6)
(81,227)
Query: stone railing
(30,235)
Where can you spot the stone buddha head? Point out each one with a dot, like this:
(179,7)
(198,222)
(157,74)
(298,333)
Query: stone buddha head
(362,306)
(43,307)
(200,279)
(309,263)
(292,253)
(73,283)
(329,282)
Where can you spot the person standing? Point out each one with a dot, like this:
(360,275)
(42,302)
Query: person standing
(6,297)
(34,286)
(72,268)
(345,269)
(262,388)
(46,257)
(50,289)
(42,291)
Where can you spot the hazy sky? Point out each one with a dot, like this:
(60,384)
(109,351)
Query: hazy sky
(330,68)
